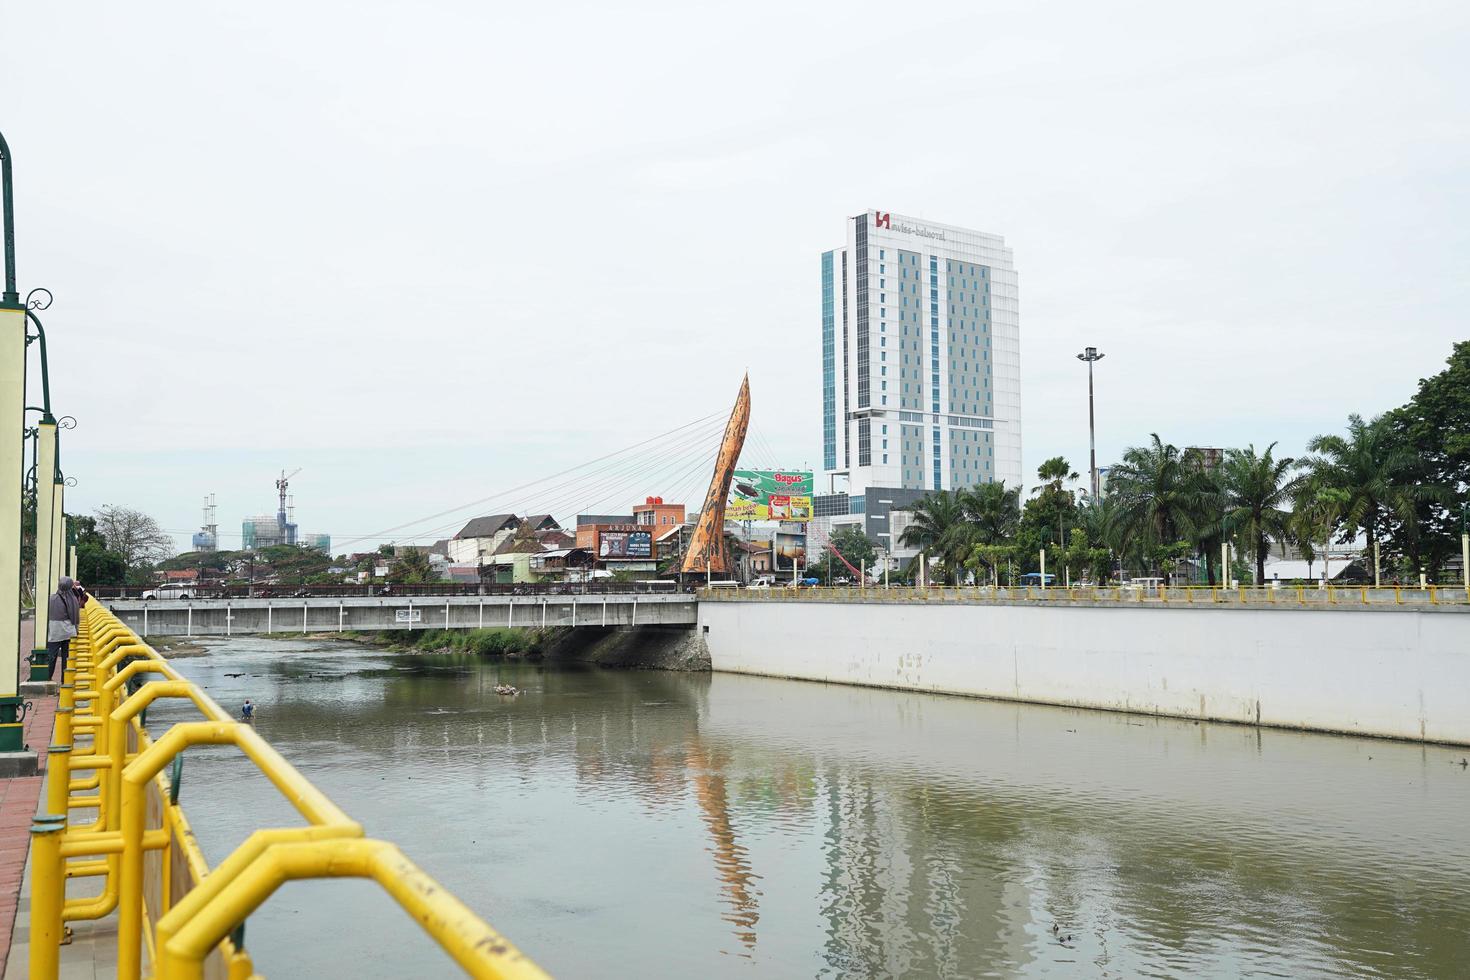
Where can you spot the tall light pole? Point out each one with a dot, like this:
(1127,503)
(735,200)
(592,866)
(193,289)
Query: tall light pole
(1090,356)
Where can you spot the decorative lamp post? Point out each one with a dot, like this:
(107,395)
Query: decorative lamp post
(12,468)
(1091,356)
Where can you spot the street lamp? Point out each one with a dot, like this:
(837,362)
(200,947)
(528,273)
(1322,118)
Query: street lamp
(1090,356)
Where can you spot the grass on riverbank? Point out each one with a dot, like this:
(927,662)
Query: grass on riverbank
(478,642)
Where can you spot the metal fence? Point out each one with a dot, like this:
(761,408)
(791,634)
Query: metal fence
(386,591)
(1298,596)
(188,917)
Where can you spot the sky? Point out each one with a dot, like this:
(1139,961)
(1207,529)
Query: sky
(432,252)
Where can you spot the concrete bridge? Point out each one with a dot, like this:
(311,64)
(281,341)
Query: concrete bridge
(227,617)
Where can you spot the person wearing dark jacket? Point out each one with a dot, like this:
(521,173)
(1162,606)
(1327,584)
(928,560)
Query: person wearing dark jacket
(63,614)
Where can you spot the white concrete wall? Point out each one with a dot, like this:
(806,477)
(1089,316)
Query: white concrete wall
(1392,672)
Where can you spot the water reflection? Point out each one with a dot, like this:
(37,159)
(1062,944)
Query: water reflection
(655,824)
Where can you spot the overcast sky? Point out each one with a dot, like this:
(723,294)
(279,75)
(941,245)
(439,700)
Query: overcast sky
(430,251)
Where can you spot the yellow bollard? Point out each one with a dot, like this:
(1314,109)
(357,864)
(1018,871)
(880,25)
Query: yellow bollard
(58,779)
(48,891)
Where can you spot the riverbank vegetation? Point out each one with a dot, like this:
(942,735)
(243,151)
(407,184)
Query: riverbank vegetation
(497,642)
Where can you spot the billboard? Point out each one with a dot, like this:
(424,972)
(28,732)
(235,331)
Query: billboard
(770,495)
(625,544)
(788,550)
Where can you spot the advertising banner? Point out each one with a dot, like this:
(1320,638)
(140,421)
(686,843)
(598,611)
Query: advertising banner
(625,544)
(789,548)
(770,495)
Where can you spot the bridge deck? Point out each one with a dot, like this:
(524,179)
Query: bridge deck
(194,617)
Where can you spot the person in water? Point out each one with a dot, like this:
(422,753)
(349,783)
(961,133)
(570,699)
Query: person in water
(247,710)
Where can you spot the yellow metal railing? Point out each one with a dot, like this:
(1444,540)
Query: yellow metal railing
(171,906)
(1285,596)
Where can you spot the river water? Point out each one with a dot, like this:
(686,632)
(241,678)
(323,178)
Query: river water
(618,823)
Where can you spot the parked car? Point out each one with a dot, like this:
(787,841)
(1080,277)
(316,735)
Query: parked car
(169,592)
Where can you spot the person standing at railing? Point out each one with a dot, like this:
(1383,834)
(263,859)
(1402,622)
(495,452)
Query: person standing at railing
(63,611)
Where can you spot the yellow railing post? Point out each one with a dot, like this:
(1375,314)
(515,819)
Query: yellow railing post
(477,948)
(97,707)
(48,891)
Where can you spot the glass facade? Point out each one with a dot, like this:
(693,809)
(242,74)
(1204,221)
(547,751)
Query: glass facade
(829,367)
(861,271)
(921,361)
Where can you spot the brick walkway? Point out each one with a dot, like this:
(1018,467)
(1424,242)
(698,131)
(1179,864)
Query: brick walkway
(18,799)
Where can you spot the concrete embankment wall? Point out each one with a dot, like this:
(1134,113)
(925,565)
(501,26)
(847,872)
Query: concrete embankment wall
(653,647)
(1398,673)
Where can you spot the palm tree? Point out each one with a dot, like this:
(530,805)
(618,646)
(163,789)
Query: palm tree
(1374,471)
(932,525)
(1257,489)
(992,515)
(1053,503)
(1053,473)
(993,511)
(1160,496)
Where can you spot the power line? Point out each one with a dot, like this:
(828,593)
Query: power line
(524,486)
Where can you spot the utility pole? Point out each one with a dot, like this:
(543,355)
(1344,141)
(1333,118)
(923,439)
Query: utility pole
(1091,356)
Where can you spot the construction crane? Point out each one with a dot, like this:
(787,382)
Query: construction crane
(281,485)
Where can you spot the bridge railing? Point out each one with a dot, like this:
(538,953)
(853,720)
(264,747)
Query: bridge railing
(1293,596)
(410,590)
(188,917)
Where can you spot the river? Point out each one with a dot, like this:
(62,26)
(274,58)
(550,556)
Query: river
(656,824)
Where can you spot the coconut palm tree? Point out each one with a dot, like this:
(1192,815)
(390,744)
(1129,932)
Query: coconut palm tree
(1257,490)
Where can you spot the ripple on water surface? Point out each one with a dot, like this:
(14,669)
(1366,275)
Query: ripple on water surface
(660,824)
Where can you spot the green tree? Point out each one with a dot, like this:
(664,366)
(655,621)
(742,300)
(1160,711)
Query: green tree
(412,566)
(96,565)
(1436,425)
(853,545)
(1258,488)
(1378,473)
(932,530)
(1053,507)
(1158,495)
(992,517)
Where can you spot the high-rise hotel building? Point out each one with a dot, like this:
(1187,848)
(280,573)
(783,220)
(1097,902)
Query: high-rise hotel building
(921,358)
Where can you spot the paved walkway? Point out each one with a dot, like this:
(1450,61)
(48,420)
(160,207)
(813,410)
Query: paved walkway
(92,954)
(18,799)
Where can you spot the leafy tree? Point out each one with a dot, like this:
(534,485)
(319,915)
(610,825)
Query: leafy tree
(1082,559)
(96,565)
(988,560)
(1257,491)
(854,546)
